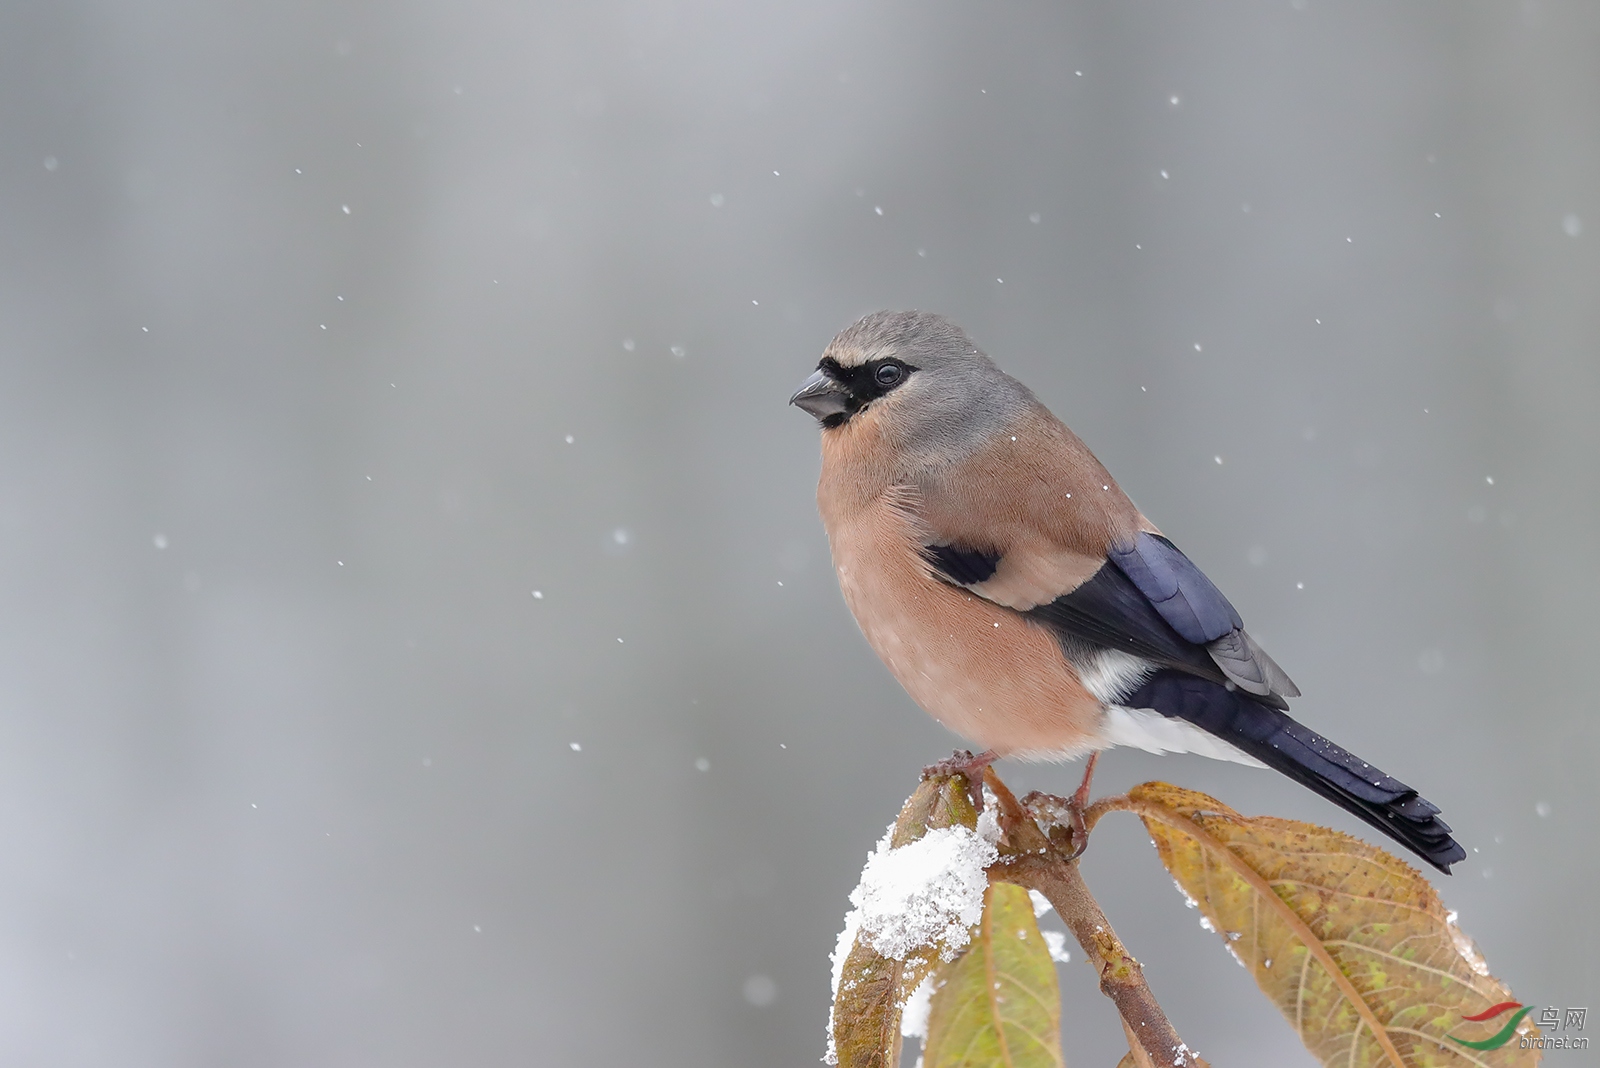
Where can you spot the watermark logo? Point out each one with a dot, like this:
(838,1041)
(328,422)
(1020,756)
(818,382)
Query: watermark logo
(1551,1020)
(1500,1037)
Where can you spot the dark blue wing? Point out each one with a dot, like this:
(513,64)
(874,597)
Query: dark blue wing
(1149,600)
(1109,611)
(1196,609)
(1178,590)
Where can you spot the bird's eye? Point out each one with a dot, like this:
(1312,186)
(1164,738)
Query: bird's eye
(889,374)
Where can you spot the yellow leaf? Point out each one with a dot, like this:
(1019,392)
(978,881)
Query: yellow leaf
(1352,944)
(872,991)
(999,1004)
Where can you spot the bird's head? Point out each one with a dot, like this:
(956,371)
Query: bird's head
(915,378)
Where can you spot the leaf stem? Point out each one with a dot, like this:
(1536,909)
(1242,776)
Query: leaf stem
(1033,858)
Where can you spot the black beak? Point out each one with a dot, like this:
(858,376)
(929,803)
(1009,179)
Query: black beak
(821,396)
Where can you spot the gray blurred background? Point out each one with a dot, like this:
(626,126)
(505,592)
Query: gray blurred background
(330,333)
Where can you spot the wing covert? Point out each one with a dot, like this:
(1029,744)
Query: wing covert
(1196,609)
(1178,590)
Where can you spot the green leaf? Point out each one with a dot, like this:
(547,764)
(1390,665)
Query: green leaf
(999,1004)
(1351,943)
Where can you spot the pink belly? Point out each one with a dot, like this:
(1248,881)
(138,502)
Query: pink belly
(983,671)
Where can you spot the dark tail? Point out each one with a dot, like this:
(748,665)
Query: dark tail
(1306,757)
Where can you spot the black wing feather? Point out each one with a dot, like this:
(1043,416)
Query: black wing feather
(1109,611)
(963,567)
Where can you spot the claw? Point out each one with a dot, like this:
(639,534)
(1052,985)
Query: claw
(962,762)
(1052,812)
(1075,806)
(1080,832)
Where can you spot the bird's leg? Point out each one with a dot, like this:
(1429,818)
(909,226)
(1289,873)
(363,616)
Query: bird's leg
(962,762)
(1075,806)
(1080,799)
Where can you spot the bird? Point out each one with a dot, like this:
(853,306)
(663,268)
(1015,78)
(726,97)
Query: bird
(1023,600)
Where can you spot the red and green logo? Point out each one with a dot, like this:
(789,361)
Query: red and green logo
(1500,1037)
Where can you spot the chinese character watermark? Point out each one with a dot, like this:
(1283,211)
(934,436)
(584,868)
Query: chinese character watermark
(1555,1029)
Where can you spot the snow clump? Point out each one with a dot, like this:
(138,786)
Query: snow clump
(926,893)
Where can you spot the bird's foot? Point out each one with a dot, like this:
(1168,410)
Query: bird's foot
(962,762)
(1075,806)
(1057,814)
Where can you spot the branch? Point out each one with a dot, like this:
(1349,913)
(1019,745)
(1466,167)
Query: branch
(1036,841)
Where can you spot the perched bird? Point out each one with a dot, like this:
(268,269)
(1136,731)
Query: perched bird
(1024,601)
